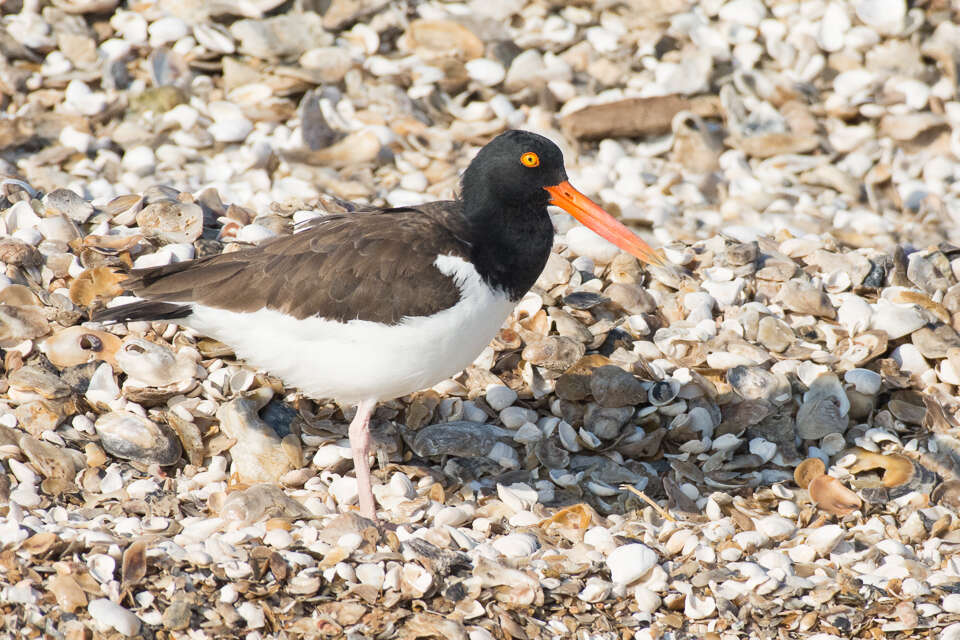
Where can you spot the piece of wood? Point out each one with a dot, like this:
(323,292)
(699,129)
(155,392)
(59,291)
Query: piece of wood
(635,117)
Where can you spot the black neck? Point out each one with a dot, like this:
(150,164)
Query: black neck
(510,244)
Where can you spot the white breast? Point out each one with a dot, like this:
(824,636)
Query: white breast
(359,359)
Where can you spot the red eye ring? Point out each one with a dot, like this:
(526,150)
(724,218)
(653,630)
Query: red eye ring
(530,159)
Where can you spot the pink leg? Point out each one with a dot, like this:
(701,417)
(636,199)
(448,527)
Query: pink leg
(360,447)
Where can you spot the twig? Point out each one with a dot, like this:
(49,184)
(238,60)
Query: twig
(640,494)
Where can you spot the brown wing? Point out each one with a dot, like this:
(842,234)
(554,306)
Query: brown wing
(374,266)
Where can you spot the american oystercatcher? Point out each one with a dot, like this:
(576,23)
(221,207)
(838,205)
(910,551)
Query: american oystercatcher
(377,304)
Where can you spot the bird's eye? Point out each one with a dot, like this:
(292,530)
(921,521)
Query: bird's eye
(530,159)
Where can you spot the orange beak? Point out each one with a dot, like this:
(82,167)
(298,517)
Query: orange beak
(602,223)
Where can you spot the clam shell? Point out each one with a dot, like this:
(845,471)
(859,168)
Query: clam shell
(132,437)
(171,222)
(150,364)
(757,383)
(77,345)
(824,409)
(663,392)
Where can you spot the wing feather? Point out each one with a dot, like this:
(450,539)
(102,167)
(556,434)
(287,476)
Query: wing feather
(376,266)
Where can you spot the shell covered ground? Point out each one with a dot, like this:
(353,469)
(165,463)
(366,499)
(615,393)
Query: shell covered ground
(761,443)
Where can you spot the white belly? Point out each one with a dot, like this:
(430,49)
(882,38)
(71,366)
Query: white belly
(359,359)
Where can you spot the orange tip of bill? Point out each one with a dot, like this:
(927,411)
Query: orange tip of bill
(565,196)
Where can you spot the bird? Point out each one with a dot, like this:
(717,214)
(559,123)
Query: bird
(375,304)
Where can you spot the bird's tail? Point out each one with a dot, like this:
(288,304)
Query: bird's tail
(143,310)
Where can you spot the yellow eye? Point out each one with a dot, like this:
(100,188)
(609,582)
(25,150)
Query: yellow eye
(530,159)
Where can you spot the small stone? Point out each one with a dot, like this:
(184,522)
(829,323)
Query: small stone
(647,601)
(699,608)
(824,538)
(596,590)
(515,417)
(229,122)
(343,13)
(451,516)
(886,16)
(86,102)
(371,574)
(252,614)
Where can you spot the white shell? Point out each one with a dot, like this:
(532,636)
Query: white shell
(517,545)
(630,562)
(824,538)
(101,567)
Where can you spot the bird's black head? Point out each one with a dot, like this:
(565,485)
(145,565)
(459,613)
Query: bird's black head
(513,169)
(507,187)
